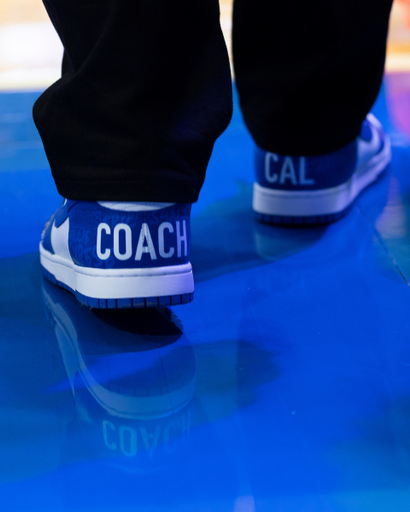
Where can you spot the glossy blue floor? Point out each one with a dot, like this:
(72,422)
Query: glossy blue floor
(284,386)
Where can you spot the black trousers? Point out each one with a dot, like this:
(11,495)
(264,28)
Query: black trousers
(146,87)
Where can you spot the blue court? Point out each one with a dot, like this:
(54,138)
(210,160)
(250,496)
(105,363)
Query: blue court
(284,386)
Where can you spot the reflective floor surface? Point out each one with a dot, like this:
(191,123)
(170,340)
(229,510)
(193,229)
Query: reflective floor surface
(284,386)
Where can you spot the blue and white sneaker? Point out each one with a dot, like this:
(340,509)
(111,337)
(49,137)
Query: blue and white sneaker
(318,189)
(120,254)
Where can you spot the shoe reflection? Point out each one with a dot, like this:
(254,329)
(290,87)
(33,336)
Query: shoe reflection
(131,374)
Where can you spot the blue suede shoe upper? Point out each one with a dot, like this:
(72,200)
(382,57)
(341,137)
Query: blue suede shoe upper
(310,173)
(100,237)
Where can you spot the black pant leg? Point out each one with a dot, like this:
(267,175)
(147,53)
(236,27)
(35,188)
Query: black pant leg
(308,72)
(144,94)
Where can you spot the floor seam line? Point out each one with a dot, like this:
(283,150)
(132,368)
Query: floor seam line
(383,244)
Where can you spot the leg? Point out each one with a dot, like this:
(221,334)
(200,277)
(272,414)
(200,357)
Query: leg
(308,72)
(144,94)
(307,75)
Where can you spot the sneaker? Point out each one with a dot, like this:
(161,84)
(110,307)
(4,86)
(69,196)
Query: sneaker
(318,189)
(120,255)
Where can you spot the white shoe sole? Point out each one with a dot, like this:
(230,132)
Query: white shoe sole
(131,286)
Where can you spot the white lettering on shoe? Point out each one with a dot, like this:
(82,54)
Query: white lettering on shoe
(302,173)
(287,171)
(107,253)
(161,241)
(121,241)
(270,177)
(181,238)
(145,236)
(128,242)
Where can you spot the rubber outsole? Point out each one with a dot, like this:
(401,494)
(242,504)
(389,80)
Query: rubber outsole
(129,303)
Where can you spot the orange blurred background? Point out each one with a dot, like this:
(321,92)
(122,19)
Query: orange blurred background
(30,51)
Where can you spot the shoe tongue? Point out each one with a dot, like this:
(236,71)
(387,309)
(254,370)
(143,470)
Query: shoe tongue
(366,132)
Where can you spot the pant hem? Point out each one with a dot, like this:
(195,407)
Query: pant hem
(127,190)
(304,143)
